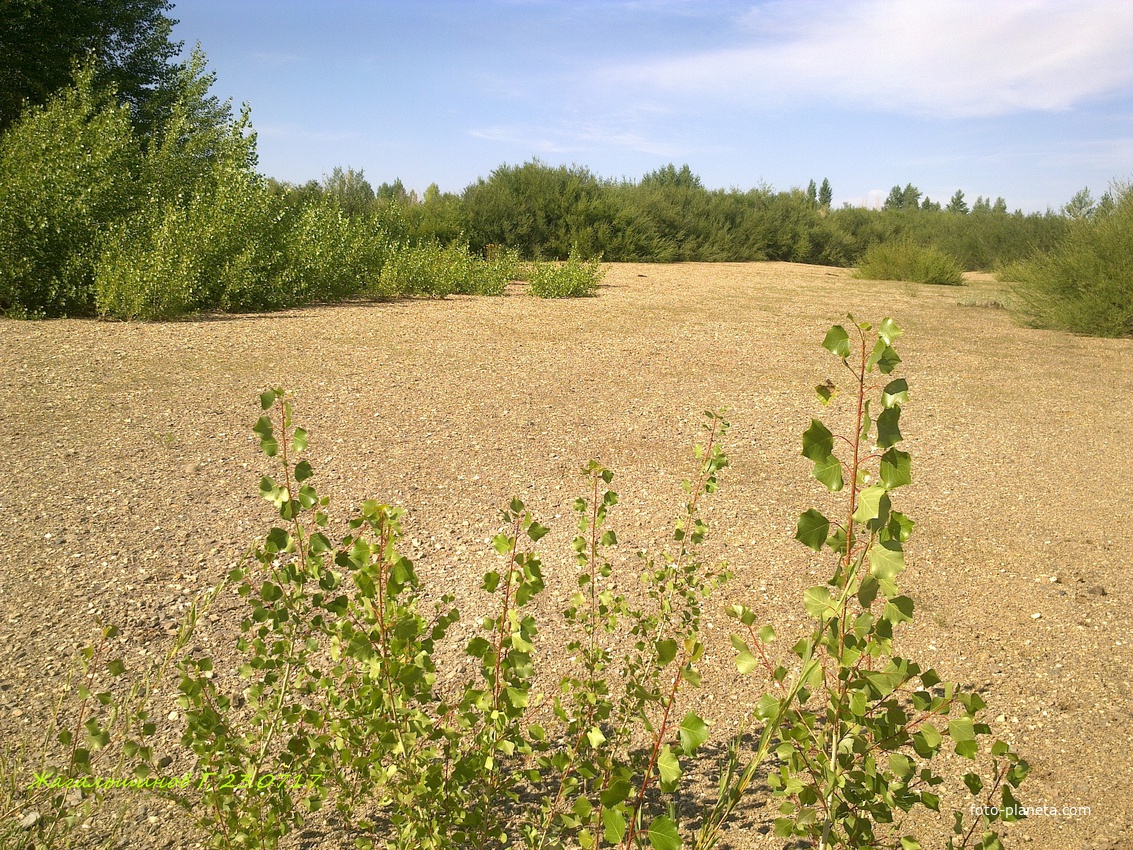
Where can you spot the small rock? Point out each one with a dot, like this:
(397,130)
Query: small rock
(1036,616)
(1097,590)
(192,468)
(173,715)
(29,820)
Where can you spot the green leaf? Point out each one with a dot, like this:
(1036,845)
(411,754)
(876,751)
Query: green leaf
(901,765)
(837,341)
(536,531)
(888,331)
(895,392)
(614,825)
(693,733)
(1012,810)
(616,792)
(826,391)
(899,609)
(829,472)
(812,529)
(303,471)
(663,834)
(869,503)
(267,399)
(888,432)
(116,667)
(745,661)
(895,469)
(595,737)
(818,603)
(883,357)
(299,440)
(818,442)
(767,707)
(669,768)
(899,527)
(666,651)
(268,444)
(886,562)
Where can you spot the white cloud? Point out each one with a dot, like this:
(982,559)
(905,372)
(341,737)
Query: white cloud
(946,58)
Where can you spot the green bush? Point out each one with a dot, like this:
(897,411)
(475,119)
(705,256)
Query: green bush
(332,255)
(575,278)
(906,260)
(222,250)
(1085,284)
(67,171)
(432,270)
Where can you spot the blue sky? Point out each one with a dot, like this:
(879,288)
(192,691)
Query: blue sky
(1026,99)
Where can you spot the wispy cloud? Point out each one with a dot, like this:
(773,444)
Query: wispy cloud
(948,59)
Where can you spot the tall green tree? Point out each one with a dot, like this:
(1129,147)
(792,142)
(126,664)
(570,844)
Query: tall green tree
(43,41)
(350,189)
(825,194)
(957,204)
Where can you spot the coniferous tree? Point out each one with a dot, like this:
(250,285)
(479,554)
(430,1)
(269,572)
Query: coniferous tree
(825,194)
(957,204)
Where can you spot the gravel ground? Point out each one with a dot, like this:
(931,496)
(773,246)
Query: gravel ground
(128,480)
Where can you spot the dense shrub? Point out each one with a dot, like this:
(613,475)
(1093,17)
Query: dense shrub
(437,271)
(67,170)
(905,260)
(221,247)
(1085,283)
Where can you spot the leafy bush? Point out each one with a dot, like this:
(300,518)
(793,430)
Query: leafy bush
(906,260)
(1085,284)
(433,270)
(222,249)
(575,278)
(67,171)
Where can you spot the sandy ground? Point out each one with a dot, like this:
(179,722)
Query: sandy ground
(128,479)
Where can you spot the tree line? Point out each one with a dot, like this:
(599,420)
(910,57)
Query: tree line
(128,190)
(668,215)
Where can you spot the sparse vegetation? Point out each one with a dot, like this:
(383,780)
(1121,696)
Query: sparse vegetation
(339,703)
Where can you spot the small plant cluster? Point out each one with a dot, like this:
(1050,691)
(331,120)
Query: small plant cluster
(338,704)
(438,271)
(574,278)
(904,259)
